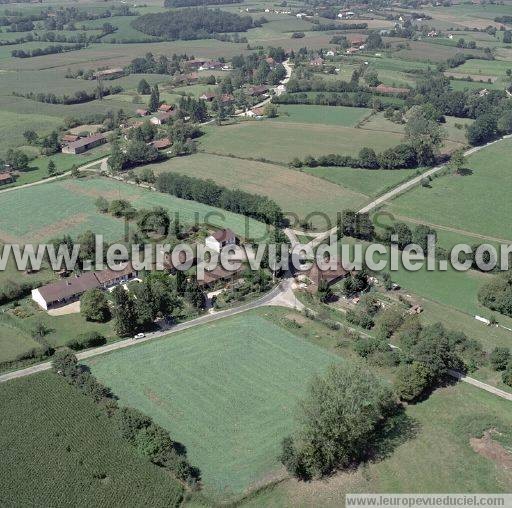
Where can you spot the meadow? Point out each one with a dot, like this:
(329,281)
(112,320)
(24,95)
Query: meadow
(73,210)
(229,394)
(295,191)
(441,429)
(478,203)
(59,448)
(281,141)
(325,115)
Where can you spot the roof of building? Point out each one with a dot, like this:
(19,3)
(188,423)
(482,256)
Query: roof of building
(165,107)
(165,115)
(70,138)
(86,141)
(258,111)
(223,235)
(106,276)
(258,89)
(218,273)
(69,287)
(330,275)
(5,176)
(161,143)
(108,72)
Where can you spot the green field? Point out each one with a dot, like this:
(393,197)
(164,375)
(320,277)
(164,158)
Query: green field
(438,458)
(326,115)
(477,203)
(295,191)
(60,449)
(281,141)
(227,391)
(72,210)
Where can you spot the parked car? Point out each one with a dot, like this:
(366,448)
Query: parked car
(139,336)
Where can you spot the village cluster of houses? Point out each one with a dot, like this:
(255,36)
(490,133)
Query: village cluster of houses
(70,289)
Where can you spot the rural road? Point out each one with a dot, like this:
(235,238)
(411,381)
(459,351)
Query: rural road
(320,237)
(281,295)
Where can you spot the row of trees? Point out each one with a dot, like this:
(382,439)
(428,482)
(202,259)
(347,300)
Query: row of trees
(49,50)
(150,440)
(234,200)
(79,97)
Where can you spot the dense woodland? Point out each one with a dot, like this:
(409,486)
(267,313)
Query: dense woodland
(193,23)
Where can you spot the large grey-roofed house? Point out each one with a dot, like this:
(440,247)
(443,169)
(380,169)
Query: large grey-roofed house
(72,288)
(84,144)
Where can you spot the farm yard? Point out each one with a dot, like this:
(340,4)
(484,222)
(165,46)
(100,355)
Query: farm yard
(243,374)
(52,435)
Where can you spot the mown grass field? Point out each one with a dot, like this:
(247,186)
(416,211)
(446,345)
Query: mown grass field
(295,191)
(72,211)
(228,392)
(478,203)
(367,182)
(326,115)
(281,141)
(59,449)
(440,446)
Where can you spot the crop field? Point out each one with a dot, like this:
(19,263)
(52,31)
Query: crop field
(281,141)
(13,342)
(478,202)
(326,115)
(227,392)
(441,430)
(57,446)
(73,210)
(293,190)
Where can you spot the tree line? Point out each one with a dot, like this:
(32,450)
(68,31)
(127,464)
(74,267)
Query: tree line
(49,50)
(233,200)
(149,439)
(79,97)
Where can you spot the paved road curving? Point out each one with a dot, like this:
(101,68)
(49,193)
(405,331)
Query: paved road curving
(280,295)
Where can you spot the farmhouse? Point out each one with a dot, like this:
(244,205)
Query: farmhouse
(64,291)
(70,138)
(163,117)
(330,276)
(255,113)
(72,288)
(219,274)
(6,178)
(220,239)
(84,144)
(108,278)
(256,91)
(317,62)
(165,107)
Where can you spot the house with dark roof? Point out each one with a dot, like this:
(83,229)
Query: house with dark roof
(70,289)
(163,117)
(160,144)
(6,177)
(84,144)
(329,276)
(220,239)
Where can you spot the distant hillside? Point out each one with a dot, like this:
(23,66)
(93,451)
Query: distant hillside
(195,3)
(193,23)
